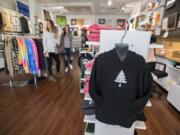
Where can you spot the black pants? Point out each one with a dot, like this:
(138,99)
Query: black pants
(50,59)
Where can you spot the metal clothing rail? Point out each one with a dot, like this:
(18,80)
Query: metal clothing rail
(23,35)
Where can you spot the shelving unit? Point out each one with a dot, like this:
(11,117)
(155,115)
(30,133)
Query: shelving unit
(90,119)
(156,46)
(92,43)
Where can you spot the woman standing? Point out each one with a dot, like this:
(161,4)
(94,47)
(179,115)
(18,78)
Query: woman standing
(50,42)
(66,45)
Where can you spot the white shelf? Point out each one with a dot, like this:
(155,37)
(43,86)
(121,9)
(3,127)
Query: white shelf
(138,125)
(82,91)
(158,81)
(92,43)
(84,52)
(87,97)
(1,63)
(156,46)
(88,133)
(1,51)
(173,68)
(87,72)
(89,118)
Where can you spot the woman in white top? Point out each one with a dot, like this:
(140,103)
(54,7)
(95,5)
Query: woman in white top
(50,42)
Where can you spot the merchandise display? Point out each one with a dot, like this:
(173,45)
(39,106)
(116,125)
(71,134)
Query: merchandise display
(7,21)
(121,79)
(94,31)
(23,52)
(24,25)
(90,67)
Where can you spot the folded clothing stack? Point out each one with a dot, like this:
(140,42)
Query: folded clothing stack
(88,67)
(88,107)
(94,31)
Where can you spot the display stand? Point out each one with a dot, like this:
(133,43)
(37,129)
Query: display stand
(19,83)
(138,45)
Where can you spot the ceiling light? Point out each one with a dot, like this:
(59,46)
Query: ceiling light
(109,2)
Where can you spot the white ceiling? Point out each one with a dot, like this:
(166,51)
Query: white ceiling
(88,7)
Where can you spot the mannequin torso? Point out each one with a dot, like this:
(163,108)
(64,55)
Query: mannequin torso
(122,50)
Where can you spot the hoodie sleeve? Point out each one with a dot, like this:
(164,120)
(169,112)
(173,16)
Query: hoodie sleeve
(144,92)
(94,91)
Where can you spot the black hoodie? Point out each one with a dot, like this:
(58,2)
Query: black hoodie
(120,90)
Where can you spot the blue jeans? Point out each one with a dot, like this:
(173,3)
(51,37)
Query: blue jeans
(68,57)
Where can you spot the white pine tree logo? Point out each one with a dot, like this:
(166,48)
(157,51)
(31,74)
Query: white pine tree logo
(121,78)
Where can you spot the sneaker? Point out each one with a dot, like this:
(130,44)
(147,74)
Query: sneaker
(51,78)
(71,67)
(66,70)
(45,75)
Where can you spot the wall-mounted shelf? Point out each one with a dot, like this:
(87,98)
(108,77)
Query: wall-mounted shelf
(92,43)
(160,46)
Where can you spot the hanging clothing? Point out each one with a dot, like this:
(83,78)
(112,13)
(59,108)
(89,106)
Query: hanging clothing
(15,52)
(24,25)
(35,55)
(119,89)
(7,21)
(1,21)
(8,55)
(16,23)
(23,55)
(31,57)
(40,51)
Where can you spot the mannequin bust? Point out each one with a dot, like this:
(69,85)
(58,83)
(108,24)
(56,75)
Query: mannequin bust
(122,50)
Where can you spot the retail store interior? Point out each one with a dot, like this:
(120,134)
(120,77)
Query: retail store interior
(89,67)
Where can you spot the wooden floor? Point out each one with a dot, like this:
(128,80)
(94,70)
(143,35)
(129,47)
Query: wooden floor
(55,109)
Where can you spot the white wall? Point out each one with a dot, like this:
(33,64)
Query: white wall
(92,19)
(88,19)
(9,4)
(111,19)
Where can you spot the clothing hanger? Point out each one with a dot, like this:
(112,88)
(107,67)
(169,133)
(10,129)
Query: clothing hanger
(125,32)
(122,48)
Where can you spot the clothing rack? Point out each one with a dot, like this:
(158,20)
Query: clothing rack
(23,35)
